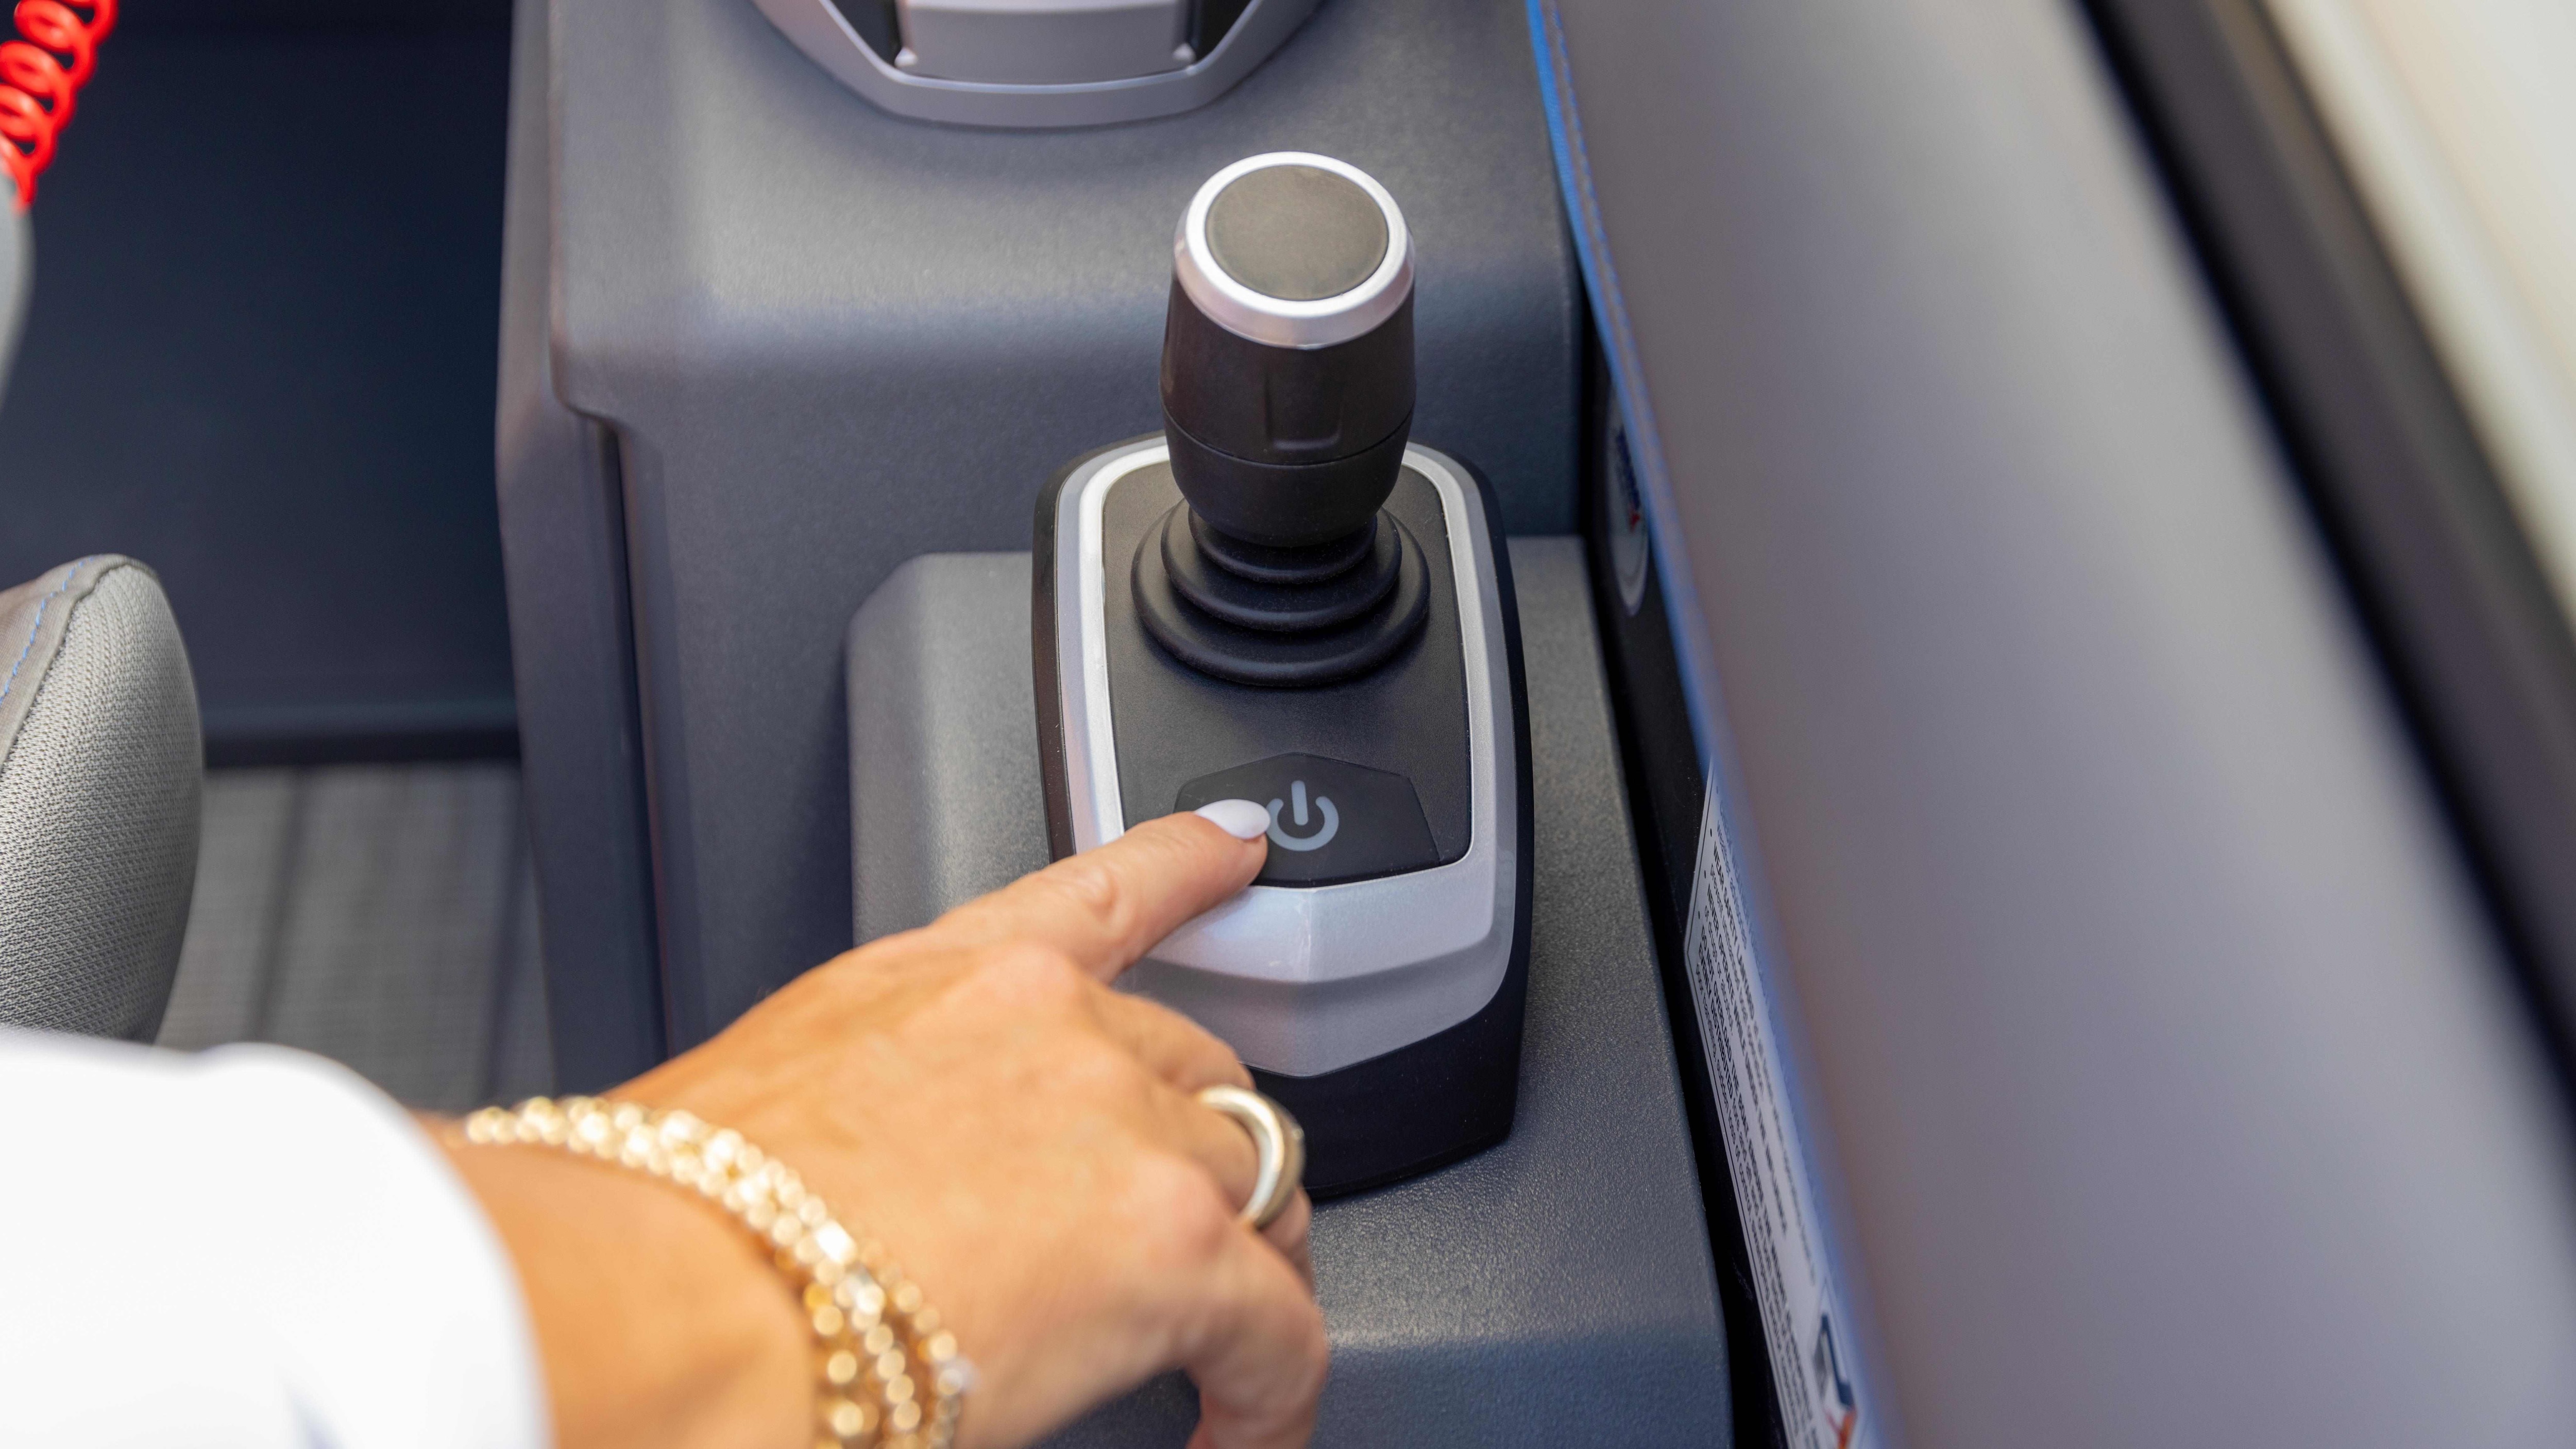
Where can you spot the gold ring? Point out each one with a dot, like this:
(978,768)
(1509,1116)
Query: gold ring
(1278,1143)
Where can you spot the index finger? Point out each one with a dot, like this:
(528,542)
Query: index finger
(1111,904)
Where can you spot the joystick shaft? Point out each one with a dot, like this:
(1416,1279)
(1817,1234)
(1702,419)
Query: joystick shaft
(1287,384)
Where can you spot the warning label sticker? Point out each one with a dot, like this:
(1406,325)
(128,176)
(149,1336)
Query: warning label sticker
(1802,1316)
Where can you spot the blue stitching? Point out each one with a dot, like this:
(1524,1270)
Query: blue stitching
(38,626)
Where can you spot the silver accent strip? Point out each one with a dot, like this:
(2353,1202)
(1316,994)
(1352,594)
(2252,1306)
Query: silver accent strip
(1042,42)
(1281,323)
(1307,981)
(819,30)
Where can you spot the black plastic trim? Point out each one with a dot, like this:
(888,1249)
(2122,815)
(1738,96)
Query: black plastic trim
(875,23)
(410,731)
(1659,763)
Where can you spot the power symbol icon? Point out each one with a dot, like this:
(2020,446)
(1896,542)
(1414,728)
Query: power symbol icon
(1316,841)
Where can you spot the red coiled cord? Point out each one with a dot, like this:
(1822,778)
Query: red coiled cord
(38,81)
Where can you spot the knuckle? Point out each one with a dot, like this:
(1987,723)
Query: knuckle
(1314,1362)
(1294,1224)
(1313,1345)
(1087,1069)
(1034,974)
(1098,892)
(1203,1054)
(1194,1225)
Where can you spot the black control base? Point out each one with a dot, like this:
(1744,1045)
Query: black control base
(1200,604)
(1419,1107)
(1390,743)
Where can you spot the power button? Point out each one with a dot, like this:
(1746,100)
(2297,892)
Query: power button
(1330,820)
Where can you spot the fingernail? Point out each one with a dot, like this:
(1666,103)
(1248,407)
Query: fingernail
(1239,818)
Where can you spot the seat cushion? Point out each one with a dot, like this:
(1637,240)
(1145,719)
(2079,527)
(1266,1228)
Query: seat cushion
(100,772)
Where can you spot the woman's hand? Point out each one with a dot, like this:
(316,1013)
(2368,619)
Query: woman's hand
(1022,1139)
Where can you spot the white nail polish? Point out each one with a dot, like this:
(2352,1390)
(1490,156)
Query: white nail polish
(1241,819)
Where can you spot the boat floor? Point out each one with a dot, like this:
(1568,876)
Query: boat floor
(381,915)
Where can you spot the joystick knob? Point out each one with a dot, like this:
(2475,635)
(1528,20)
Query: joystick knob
(1287,401)
(1288,349)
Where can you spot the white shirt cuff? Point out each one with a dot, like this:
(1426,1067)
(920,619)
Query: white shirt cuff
(252,1248)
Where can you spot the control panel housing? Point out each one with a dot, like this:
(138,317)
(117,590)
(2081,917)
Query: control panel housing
(1373,975)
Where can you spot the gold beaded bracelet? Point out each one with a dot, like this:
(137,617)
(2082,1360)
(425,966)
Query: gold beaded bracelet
(881,1349)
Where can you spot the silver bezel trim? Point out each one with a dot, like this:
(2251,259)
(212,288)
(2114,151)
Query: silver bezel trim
(820,30)
(1304,981)
(1322,322)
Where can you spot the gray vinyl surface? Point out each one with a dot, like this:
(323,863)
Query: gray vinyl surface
(2158,1053)
(826,341)
(1554,1289)
(944,797)
(380,915)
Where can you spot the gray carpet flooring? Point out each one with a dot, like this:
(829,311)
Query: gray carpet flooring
(381,915)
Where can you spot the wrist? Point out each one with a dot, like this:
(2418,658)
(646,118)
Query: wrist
(659,1322)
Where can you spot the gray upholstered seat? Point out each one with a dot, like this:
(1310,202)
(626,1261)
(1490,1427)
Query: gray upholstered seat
(101,769)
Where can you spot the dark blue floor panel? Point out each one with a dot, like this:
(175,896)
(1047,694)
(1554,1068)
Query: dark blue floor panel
(260,357)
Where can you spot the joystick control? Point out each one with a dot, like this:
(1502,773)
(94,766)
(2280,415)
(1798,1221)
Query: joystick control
(1287,402)
(1284,597)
